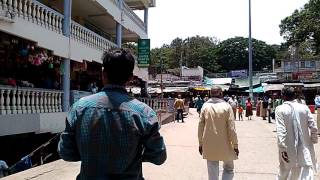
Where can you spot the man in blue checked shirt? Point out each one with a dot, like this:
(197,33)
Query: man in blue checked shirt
(110,132)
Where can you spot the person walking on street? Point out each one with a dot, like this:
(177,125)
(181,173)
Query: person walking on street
(296,134)
(263,108)
(234,104)
(110,132)
(179,107)
(270,105)
(258,107)
(249,112)
(240,111)
(199,103)
(217,136)
(317,104)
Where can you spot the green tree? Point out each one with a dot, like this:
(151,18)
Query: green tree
(232,54)
(303,27)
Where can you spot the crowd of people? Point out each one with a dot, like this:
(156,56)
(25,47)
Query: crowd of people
(296,134)
(112,133)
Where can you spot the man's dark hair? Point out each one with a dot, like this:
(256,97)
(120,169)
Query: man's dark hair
(118,65)
(288,93)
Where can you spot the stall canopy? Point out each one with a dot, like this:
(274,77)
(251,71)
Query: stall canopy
(257,90)
(208,88)
(217,81)
(273,87)
(244,83)
(175,89)
(154,90)
(134,90)
(314,85)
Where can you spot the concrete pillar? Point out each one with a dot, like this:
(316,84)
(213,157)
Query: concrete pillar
(119,25)
(119,35)
(66,63)
(146,18)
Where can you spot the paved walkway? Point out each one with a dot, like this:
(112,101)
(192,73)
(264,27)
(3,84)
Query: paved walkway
(258,155)
(257,144)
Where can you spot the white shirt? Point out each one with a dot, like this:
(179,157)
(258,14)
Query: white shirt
(296,132)
(233,103)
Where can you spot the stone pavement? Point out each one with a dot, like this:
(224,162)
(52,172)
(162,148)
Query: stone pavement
(258,158)
(258,155)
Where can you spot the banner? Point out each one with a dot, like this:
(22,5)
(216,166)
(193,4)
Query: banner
(143,52)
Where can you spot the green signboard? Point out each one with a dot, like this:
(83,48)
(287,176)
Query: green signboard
(144,52)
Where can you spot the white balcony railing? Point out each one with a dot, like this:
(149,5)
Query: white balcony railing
(37,13)
(90,38)
(29,100)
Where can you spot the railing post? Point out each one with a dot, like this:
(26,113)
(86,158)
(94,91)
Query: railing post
(30,10)
(15,5)
(54,103)
(32,102)
(2,108)
(5,4)
(23,102)
(27,102)
(37,102)
(19,111)
(10,5)
(60,102)
(25,8)
(8,99)
(13,102)
(49,102)
(40,102)
(45,102)
(41,11)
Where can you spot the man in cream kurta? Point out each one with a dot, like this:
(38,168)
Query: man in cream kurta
(217,135)
(296,132)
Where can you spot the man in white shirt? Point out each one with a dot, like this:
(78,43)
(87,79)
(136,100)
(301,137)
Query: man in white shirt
(297,134)
(234,104)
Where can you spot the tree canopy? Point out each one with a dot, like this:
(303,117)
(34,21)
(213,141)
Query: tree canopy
(302,28)
(212,55)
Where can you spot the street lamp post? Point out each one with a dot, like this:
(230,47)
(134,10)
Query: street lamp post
(250,55)
(161,80)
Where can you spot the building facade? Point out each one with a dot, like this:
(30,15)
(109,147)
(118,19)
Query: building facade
(301,70)
(55,34)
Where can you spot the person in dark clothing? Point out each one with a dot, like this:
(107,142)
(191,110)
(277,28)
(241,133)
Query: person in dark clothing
(110,132)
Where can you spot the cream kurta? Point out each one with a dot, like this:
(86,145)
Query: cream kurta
(297,132)
(216,131)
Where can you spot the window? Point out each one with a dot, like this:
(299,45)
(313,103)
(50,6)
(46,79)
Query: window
(312,64)
(302,64)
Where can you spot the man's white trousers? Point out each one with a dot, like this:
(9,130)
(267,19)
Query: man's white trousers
(296,173)
(213,170)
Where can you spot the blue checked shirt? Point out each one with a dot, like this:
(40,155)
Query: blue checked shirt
(111,134)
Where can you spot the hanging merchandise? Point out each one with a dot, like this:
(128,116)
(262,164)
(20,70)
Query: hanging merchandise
(24,52)
(62,69)
(50,61)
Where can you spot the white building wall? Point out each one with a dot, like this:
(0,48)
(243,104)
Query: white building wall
(189,72)
(27,123)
